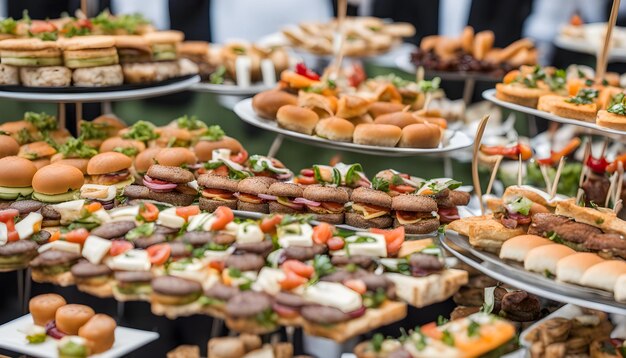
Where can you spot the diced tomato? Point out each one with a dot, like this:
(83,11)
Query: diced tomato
(39,26)
(84,23)
(240,157)
(510,76)
(302,70)
(119,247)
(12,235)
(298,267)
(394,238)
(149,212)
(217,193)
(159,253)
(292,280)
(55,236)
(8,215)
(357,76)
(221,171)
(402,188)
(335,243)
(77,236)
(307,173)
(356,285)
(611,168)
(223,215)
(322,233)
(249,198)
(93,206)
(331,206)
(431,330)
(303,180)
(268,224)
(217,265)
(186,211)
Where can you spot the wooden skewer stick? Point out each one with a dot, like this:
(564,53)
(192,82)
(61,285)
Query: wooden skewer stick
(609,193)
(618,186)
(475,178)
(342,9)
(494,173)
(84,7)
(546,178)
(557,177)
(604,54)
(618,206)
(583,172)
(419,74)
(519,169)
(605,145)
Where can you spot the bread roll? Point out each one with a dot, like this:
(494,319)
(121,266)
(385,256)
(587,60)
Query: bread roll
(297,119)
(379,108)
(267,103)
(518,247)
(467,39)
(543,259)
(398,119)
(350,106)
(383,135)
(335,128)
(421,135)
(604,275)
(571,268)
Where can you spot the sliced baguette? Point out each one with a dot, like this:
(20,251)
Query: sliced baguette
(63,279)
(583,112)
(611,120)
(424,291)
(527,97)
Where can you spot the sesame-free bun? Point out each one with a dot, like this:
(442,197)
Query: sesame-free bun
(204,148)
(43,308)
(30,44)
(37,150)
(132,41)
(297,119)
(170,36)
(604,275)
(517,248)
(78,163)
(117,142)
(267,103)
(99,332)
(145,159)
(545,258)
(384,135)
(194,48)
(108,162)
(176,157)
(572,268)
(421,135)
(371,196)
(398,119)
(379,108)
(86,42)
(335,128)
(57,179)
(16,172)
(8,146)
(70,318)
(326,193)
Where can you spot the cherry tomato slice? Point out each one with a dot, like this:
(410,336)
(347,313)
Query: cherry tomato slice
(77,236)
(305,180)
(8,214)
(186,211)
(322,233)
(394,239)
(217,265)
(298,267)
(268,224)
(307,172)
(159,253)
(431,330)
(240,157)
(291,281)
(335,243)
(149,212)
(402,188)
(93,207)
(223,216)
(55,236)
(119,247)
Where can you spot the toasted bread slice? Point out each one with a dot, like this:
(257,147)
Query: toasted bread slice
(605,95)
(583,112)
(602,218)
(611,120)
(63,279)
(103,291)
(424,291)
(527,97)
(462,226)
(489,235)
(388,312)
(546,103)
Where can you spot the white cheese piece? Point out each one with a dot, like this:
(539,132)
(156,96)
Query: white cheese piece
(231,228)
(194,271)
(243,66)
(95,249)
(268,72)
(246,276)
(70,210)
(215,255)
(333,295)
(193,184)
(208,223)
(376,248)
(124,213)
(99,192)
(102,215)
(304,238)
(4,233)
(169,219)
(131,260)
(268,281)
(60,246)
(249,233)
(222,153)
(29,225)
(196,221)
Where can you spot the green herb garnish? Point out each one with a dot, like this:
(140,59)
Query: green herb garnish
(142,131)
(213,133)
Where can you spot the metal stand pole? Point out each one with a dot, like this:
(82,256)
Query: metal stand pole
(61,114)
(79,116)
(216,327)
(106,107)
(468,90)
(20,288)
(27,290)
(275,147)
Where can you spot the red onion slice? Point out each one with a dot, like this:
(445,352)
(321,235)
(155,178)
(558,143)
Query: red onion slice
(267,197)
(358,313)
(285,176)
(53,331)
(160,188)
(306,202)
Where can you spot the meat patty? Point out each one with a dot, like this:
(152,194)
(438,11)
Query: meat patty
(175,286)
(323,314)
(86,269)
(363,261)
(521,306)
(248,304)
(262,248)
(113,230)
(289,299)
(179,249)
(374,282)
(221,292)
(613,243)
(40,237)
(49,213)
(245,262)
(54,257)
(198,238)
(423,264)
(19,247)
(303,253)
(565,228)
(26,206)
(145,242)
(133,276)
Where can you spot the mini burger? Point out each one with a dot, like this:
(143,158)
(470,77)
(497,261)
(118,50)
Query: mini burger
(249,194)
(395,183)
(53,266)
(128,147)
(267,103)
(39,153)
(285,198)
(163,44)
(110,168)
(176,157)
(93,278)
(447,198)
(417,213)
(217,190)
(103,127)
(74,152)
(133,49)
(8,146)
(22,131)
(94,61)
(167,184)
(143,161)
(16,177)
(57,183)
(99,332)
(31,52)
(370,208)
(174,291)
(520,203)
(43,308)
(16,255)
(326,202)
(132,285)
(268,167)
(199,53)
(212,139)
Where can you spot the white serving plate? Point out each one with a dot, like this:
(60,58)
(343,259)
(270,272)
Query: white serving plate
(12,338)
(230,90)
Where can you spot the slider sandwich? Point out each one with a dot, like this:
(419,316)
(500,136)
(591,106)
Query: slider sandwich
(370,208)
(327,203)
(143,161)
(285,198)
(199,53)
(416,213)
(168,184)
(74,152)
(110,168)
(57,183)
(447,198)
(250,194)
(40,62)
(268,167)
(94,61)
(267,103)
(216,191)
(164,55)
(39,153)
(16,178)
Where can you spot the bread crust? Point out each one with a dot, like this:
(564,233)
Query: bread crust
(602,218)
(103,291)
(424,291)
(64,279)
(527,97)
(583,112)
(611,120)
